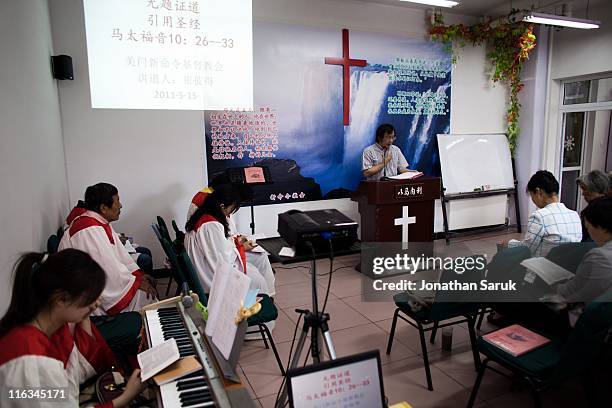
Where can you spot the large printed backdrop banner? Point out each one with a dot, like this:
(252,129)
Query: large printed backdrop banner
(297,127)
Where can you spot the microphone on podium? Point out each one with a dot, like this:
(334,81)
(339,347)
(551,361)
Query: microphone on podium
(384,177)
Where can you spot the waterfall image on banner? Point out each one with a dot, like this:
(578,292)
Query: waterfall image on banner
(296,128)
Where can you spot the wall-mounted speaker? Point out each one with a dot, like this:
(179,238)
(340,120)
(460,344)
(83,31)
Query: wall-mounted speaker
(61,66)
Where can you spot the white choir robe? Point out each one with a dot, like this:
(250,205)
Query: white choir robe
(207,246)
(91,233)
(259,259)
(29,359)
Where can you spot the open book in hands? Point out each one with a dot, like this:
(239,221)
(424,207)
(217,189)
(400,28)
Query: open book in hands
(155,359)
(550,272)
(163,363)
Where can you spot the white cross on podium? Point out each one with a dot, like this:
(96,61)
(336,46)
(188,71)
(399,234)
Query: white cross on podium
(405,221)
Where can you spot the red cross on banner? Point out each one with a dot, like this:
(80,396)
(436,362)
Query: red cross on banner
(346,63)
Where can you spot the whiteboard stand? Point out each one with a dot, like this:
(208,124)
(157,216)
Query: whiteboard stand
(447,198)
(476,166)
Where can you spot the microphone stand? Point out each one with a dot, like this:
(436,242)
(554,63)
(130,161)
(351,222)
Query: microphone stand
(252,224)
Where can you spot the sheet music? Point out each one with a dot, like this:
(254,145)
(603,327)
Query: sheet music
(549,271)
(229,288)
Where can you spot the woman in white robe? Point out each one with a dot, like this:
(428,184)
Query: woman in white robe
(258,259)
(209,241)
(48,346)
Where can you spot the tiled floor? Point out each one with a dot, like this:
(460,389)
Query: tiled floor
(357,326)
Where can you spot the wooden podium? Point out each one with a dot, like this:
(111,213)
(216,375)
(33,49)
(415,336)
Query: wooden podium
(397,210)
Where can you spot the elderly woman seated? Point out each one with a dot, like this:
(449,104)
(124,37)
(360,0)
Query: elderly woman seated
(594,186)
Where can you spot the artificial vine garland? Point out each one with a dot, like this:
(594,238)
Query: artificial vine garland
(510,43)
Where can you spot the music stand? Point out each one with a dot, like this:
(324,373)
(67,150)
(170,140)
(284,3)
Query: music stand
(252,176)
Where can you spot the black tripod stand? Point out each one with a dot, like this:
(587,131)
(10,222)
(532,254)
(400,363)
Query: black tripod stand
(315,322)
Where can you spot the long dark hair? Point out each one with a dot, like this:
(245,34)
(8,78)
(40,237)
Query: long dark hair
(225,194)
(37,281)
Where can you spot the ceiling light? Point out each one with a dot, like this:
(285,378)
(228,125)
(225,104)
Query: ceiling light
(562,21)
(437,3)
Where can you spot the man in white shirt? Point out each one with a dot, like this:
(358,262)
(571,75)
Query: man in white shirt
(383,158)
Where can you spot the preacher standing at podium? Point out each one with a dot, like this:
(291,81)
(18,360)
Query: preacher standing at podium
(383,158)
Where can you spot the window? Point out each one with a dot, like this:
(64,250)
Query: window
(592,91)
(576,92)
(586,130)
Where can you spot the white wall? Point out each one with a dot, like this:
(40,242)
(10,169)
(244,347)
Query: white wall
(156,158)
(580,52)
(477,106)
(32,173)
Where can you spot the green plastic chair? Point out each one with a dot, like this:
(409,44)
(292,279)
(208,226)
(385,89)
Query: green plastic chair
(179,242)
(163,228)
(177,232)
(558,360)
(192,277)
(177,273)
(53,244)
(54,240)
(442,311)
(174,262)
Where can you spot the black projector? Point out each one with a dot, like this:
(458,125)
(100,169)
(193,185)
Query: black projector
(317,227)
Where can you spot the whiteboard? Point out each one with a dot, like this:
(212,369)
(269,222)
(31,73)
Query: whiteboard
(471,161)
